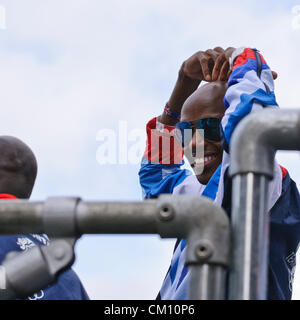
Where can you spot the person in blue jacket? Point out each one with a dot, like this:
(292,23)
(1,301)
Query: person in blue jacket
(198,122)
(18,170)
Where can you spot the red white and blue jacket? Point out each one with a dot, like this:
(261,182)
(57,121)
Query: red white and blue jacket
(161,173)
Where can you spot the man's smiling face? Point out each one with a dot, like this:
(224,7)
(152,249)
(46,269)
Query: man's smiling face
(205,102)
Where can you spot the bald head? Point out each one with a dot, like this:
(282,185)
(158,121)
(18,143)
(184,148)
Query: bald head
(18,167)
(205,102)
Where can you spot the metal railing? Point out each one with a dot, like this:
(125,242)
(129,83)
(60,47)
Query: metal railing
(253,147)
(197,219)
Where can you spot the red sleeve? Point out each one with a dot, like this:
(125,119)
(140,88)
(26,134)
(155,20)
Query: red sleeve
(162,146)
(244,56)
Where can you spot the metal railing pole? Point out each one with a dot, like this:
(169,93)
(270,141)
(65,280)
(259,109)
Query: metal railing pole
(250,227)
(208,243)
(253,147)
(207,282)
(198,219)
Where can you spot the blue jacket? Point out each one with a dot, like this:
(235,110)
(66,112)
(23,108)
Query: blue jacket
(162,173)
(68,285)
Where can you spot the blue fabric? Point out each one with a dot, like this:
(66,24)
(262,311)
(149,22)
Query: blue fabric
(245,107)
(68,285)
(284,241)
(182,276)
(239,72)
(211,188)
(210,192)
(154,182)
(173,270)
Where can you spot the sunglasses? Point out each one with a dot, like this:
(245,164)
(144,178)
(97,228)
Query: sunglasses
(185,130)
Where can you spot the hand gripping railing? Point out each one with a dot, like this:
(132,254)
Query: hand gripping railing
(197,219)
(252,151)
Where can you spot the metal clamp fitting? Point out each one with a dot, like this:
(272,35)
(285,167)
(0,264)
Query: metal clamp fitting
(199,220)
(62,209)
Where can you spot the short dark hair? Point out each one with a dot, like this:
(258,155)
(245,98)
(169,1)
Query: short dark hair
(18,167)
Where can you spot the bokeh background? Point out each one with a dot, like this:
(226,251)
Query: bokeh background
(71,68)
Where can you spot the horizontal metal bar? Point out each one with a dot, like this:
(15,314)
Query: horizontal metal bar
(21,217)
(117,217)
(198,219)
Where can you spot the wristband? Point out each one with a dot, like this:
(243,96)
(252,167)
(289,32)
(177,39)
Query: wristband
(172,114)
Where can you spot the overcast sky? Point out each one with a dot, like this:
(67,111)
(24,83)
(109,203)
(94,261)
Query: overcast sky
(72,68)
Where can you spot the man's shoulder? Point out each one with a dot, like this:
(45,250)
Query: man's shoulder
(20,243)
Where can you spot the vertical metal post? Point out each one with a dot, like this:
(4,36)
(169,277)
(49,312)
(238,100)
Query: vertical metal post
(250,228)
(207,282)
(252,150)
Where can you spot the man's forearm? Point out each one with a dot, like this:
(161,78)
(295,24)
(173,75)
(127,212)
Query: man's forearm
(184,87)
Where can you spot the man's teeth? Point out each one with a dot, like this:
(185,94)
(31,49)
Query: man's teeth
(208,158)
(204,160)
